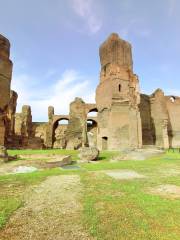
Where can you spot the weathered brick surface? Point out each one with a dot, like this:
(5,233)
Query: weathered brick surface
(125,118)
(5,81)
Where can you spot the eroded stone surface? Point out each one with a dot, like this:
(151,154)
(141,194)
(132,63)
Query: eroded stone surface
(60,137)
(118,97)
(76,130)
(5,82)
(88,154)
(59,161)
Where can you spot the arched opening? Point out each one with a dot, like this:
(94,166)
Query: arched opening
(119,87)
(92,113)
(104,143)
(59,133)
(92,132)
(172,99)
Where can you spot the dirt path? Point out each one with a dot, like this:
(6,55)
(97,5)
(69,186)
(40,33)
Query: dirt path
(51,212)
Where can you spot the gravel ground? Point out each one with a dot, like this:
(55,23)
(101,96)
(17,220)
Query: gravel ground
(51,212)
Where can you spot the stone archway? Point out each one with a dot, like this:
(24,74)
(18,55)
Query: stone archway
(92,132)
(59,133)
(92,112)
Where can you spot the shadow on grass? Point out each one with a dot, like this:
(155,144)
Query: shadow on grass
(101,158)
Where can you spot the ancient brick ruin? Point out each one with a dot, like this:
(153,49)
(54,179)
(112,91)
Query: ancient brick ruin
(5,92)
(126,119)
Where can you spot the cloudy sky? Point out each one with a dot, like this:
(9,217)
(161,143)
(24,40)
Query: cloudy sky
(54,46)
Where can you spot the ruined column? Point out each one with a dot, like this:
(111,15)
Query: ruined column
(10,118)
(11,111)
(23,122)
(5,82)
(159,115)
(76,131)
(27,121)
(49,130)
(50,113)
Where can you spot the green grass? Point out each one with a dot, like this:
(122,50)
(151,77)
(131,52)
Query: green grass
(125,210)
(119,209)
(113,209)
(43,151)
(7,206)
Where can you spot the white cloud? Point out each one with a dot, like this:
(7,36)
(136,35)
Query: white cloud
(84,9)
(70,85)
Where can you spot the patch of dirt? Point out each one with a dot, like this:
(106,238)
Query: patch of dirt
(123,174)
(51,212)
(168,190)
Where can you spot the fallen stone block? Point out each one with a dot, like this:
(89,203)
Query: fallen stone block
(88,154)
(59,161)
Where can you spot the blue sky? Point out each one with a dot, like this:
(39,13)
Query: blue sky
(54,47)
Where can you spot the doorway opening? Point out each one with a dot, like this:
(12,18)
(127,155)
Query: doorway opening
(104,143)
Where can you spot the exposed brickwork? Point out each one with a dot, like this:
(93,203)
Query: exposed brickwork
(125,118)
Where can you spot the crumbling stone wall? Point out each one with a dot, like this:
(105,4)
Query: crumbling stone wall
(60,137)
(159,115)
(117,97)
(117,52)
(10,119)
(173,108)
(76,135)
(23,122)
(28,135)
(5,81)
(72,135)
(39,130)
(148,131)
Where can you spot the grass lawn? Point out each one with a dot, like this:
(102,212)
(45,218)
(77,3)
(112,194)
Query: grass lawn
(113,208)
